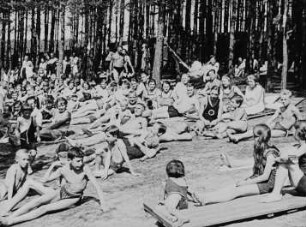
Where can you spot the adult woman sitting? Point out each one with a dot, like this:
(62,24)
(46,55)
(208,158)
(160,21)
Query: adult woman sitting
(254,96)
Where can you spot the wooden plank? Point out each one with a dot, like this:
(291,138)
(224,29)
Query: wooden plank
(236,210)
(156,214)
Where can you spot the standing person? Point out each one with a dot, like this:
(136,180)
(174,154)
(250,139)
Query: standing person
(129,69)
(51,65)
(75,175)
(74,61)
(263,178)
(117,64)
(27,68)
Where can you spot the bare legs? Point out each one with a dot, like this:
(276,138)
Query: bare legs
(228,194)
(295,175)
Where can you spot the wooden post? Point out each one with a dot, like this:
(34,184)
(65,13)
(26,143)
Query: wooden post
(159,45)
(285,47)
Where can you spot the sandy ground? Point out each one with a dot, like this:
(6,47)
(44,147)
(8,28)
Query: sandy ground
(125,193)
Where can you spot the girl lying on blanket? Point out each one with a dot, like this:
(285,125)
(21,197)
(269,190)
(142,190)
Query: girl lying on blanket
(291,162)
(262,180)
(280,123)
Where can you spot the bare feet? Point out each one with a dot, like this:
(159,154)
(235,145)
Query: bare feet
(87,132)
(4,221)
(181,221)
(233,138)
(72,142)
(272,198)
(225,160)
(196,199)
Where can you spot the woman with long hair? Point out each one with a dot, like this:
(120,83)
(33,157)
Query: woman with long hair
(263,177)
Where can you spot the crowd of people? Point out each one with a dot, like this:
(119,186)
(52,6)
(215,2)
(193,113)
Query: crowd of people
(105,121)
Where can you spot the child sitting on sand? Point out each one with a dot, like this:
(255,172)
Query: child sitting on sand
(113,155)
(235,121)
(175,193)
(280,123)
(17,185)
(16,175)
(76,176)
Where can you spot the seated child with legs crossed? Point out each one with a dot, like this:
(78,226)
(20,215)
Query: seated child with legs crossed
(234,121)
(76,176)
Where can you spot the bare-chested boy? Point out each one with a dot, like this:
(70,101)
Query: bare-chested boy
(281,122)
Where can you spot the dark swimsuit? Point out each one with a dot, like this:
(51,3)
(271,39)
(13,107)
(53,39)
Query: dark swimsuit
(173,112)
(173,188)
(211,111)
(259,166)
(119,69)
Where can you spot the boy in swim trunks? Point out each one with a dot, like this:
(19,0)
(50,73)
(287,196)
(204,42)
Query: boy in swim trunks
(281,122)
(16,175)
(113,156)
(76,176)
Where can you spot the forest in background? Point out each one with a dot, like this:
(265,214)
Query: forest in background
(266,30)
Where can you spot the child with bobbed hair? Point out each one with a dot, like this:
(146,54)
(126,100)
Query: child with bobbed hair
(175,193)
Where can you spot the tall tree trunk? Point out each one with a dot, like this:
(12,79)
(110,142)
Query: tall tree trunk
(3,40)
(52,31)
(46,28)
(187,30)
(62,41)
(33,36)
(38,33)
(21,32)
(26,32)
(9,46)
(285,47)
(86,23)
(209,30)
(201,29)
(111,5)
(232,34)
(270,33)
(250,26)
(303,54)
(159,44)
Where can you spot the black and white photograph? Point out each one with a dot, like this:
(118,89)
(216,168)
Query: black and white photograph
(153,113)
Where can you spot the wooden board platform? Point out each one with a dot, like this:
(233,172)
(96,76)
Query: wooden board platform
(237,210)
